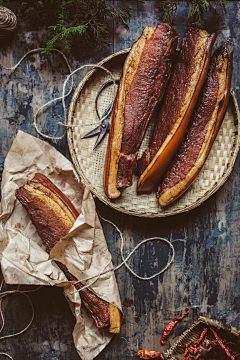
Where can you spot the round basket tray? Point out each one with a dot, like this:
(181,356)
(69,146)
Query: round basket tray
(89,163)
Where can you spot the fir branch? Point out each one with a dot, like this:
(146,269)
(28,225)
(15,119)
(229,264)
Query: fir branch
(121,14)
(198,9)
(74,20)
(167,9)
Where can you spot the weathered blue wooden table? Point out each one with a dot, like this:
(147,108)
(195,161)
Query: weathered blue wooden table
(205,274)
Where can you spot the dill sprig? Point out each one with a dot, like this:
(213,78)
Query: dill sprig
(198,10)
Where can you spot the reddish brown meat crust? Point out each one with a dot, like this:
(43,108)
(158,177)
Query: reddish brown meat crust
(176,98)
(43,180)
(51,228)
(197,136)
(145,92)
(145,74)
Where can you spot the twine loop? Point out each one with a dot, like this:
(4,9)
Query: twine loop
(8,22)
(125,260)
(66,126)
(39,50)
(64,94)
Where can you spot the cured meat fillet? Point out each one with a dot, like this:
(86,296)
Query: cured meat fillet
(142,84)
(54,215)
(206,122)
(180,98)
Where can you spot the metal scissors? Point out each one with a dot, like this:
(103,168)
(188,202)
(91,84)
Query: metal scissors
(103,128)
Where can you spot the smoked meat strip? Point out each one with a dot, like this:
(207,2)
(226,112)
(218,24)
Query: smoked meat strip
(207,119)
(179,100)
(145,74)
(53,216)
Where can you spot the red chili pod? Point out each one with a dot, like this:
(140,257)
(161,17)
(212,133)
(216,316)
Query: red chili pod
(171,325)
(144,354)
(221,344)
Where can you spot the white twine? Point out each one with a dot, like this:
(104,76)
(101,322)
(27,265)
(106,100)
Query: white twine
(94,66)
(6,293)
(33,52)
(124,260)
(95,278)
(62,98)
(51,101)
(7,355)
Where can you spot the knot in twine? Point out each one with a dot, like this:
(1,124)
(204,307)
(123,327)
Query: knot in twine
(8,22)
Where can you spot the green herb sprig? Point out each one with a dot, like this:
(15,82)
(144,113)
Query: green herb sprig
(198,10)
(84,24)
(72,23)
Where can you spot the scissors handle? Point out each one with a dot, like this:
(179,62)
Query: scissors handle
(109,108)
(103,128)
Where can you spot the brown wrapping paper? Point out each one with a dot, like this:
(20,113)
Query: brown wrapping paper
(84,250)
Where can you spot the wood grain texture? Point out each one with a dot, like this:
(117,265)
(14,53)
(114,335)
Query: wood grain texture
(205,274)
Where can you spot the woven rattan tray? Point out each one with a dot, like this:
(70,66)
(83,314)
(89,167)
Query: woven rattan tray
(89,163)
(225,332)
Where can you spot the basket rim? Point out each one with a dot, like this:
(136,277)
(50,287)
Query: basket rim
(107,201)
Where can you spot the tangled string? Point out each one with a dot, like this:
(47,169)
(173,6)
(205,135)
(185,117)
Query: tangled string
(8,22)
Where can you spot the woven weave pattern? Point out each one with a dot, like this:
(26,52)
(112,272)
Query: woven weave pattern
(8,22)
(90,163)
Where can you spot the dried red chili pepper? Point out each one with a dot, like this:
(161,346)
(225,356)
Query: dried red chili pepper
(202,335)
(144,354)
(221,344)
(171,325)
(196,351)
(202,347)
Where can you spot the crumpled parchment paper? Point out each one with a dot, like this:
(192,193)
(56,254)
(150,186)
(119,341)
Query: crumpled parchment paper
(84,250)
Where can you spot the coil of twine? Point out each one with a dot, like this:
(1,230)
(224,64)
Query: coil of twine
(8,22)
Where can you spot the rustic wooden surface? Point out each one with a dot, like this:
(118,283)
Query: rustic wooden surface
(205,274)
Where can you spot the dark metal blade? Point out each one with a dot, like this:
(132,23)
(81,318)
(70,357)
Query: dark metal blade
(105,128)
(93,132)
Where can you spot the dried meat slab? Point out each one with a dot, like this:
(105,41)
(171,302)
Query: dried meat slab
(180,98)
(205,124)
(53,216)
(142,85)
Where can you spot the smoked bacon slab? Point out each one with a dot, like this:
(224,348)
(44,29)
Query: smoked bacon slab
(53,216)
(144,77)
(179,100)
(207,119)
